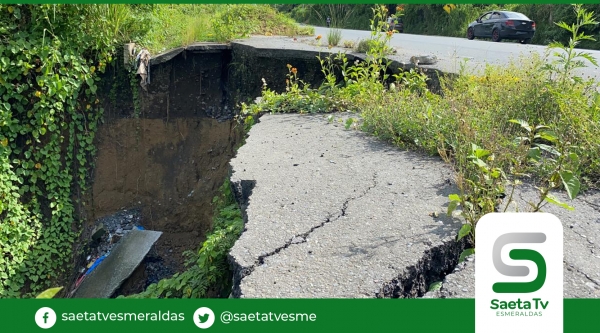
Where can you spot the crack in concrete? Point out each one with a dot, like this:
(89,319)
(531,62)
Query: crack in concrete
(572,228)
(590,245)
(301,238)
(594,206)
(571,266)
(437,262)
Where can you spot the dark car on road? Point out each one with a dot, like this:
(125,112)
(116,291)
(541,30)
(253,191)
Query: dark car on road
(499,25)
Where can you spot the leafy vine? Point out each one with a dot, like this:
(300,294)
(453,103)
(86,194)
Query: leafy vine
(50,58)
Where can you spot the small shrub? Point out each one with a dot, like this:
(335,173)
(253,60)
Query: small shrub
(366,45)
(349,44)
(196,30)
(334,36)
(306,31)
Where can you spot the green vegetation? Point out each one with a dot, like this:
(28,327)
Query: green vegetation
(365,45)
(207,270)
(533,121)
(51,59)
(349,44)
(168,26)
(342,16)
(334,36)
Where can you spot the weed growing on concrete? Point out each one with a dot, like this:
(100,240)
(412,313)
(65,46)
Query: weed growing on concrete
(334,36)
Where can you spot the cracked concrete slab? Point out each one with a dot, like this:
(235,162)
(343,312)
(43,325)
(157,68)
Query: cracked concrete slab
(332,212)
(581,273)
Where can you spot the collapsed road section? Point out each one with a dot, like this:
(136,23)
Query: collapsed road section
(332,212)
(335,213)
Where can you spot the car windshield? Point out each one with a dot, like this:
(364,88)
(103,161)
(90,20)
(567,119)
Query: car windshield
(516,16)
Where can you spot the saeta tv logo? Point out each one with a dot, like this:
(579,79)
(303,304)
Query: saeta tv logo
(518,273)
(519,254)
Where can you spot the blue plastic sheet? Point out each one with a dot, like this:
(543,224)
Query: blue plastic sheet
(96,263)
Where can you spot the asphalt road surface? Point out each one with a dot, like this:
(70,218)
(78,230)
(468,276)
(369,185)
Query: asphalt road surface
(452,51)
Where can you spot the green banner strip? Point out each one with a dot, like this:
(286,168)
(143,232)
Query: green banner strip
(265,315)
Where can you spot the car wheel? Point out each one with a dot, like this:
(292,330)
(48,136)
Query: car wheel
(470,34)
(525,41)
(496,35)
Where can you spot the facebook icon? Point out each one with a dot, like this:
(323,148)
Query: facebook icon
(45,317)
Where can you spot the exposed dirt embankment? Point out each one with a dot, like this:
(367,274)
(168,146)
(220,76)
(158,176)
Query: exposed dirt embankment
(170,170)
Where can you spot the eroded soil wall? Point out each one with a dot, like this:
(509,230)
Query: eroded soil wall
(164,150)
(170,170)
